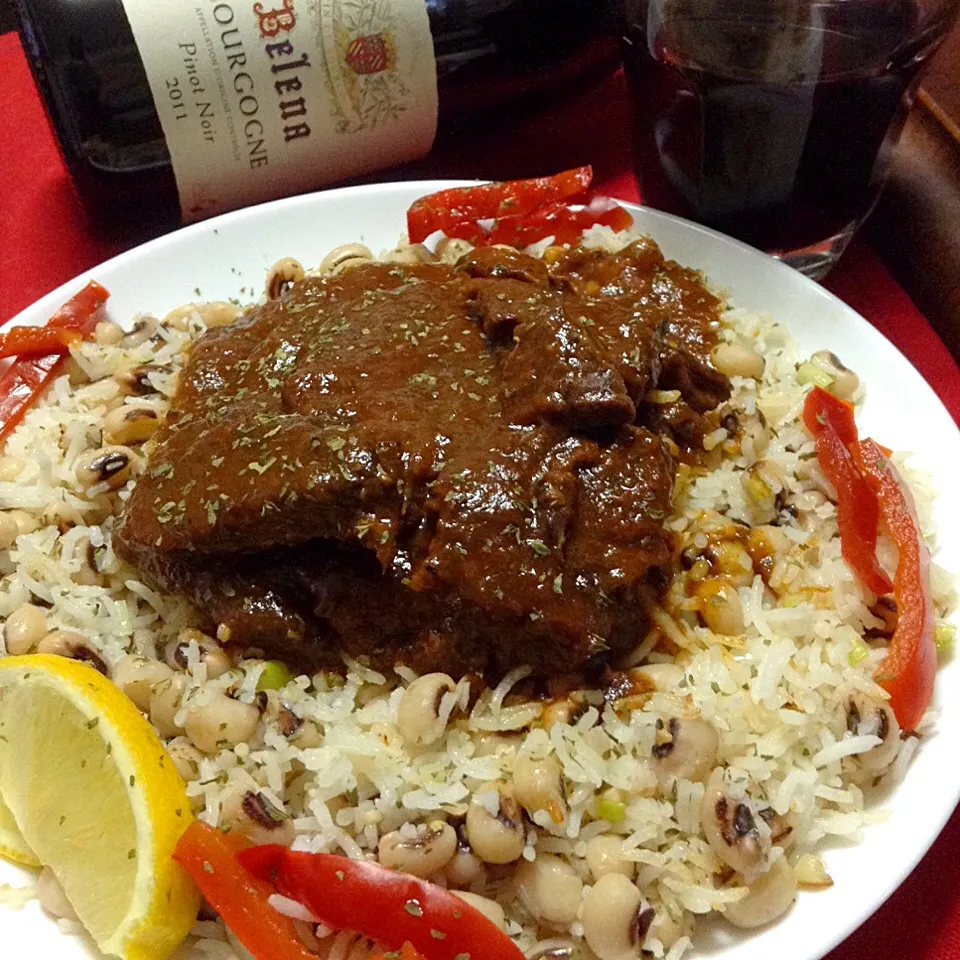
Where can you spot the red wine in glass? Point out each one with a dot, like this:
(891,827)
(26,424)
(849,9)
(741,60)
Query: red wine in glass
(774,120)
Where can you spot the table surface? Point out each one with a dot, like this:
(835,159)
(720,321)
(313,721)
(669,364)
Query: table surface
(47,240)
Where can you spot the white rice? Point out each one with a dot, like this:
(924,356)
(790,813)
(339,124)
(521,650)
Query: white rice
(775,694)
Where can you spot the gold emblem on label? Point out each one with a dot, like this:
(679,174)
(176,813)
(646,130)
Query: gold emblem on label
(365,73)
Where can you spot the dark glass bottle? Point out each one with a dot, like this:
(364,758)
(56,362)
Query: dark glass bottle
(489,54)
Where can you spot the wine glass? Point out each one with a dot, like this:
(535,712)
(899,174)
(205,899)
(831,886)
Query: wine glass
(775,120)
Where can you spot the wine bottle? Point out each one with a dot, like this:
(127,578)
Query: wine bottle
(186,108)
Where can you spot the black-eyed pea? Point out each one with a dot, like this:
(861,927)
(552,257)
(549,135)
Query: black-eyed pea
(687,750)
(783,827)
(107,333)
(605,855)
(9,531)
(220,313)
(215,313)
(143,329)
(719,606)
(87,573)
(409,253)
(130,423)
(283,275)
(252,813)
(26,522)
(875,718)
(731,561)
(667,930)
(418,713)
(845,382)
(111,403)
(11,466)
(421,853)
(539,786)
(738,360)
(137,677)
(66,643)
(451,249)
(345,257)
(287,722)
(24,629)
(54,514)
(179,317)
(95,513)
(135,381)
(766,545)
(768,898)
(220,722)
(730,826)
(566,710)
(549,888)
(111,465)
(489,908)
(615,918)
(496,837)
(186,758)
(307,736)
(756,430)
(214,658)
(166,699)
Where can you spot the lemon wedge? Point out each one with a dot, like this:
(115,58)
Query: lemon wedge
(12,845)
(96,798)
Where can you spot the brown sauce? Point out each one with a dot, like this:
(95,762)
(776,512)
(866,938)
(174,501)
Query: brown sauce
(454,468)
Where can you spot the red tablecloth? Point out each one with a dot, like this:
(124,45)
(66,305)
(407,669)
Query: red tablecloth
(46,240)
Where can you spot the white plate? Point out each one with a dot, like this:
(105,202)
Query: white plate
(217,258)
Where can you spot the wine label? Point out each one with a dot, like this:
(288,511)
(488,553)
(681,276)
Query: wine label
(263,99)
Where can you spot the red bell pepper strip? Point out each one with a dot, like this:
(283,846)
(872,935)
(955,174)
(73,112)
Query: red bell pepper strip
(468,230)
(25,379)
(907,672)
(821,403)
(555,220)
(443,209)
(80,311)
(37,341)
(210,858)
(831,423)
(384,905)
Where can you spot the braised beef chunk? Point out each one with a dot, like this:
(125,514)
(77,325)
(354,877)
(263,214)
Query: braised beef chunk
(557,371)
(442,466)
